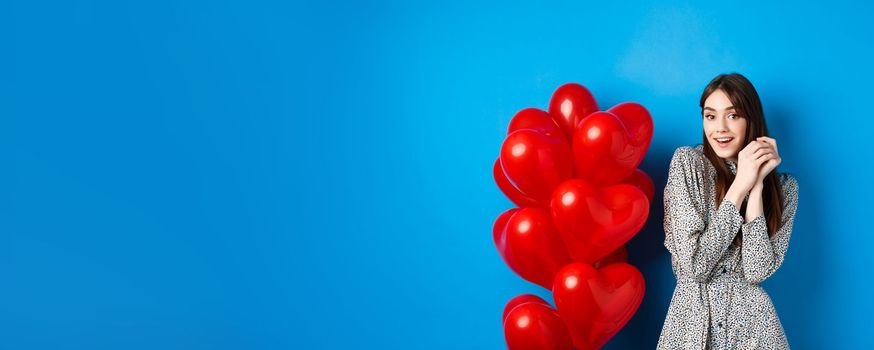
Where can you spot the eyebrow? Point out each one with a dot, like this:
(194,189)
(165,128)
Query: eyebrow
(711,109)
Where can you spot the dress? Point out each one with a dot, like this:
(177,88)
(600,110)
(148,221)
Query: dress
(718,303)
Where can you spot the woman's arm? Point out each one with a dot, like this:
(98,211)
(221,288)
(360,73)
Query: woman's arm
(754,203)
(696,244)
(762,255)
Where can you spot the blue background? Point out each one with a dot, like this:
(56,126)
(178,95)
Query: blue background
(317,175)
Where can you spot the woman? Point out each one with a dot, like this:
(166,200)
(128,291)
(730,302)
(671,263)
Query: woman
(728,218)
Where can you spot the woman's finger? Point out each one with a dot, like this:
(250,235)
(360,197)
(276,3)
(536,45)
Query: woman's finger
(753,147)
(761,160)
(761,151)
(765,156)
(769,140)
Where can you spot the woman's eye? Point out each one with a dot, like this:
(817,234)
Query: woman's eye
(708,117)
(733,116)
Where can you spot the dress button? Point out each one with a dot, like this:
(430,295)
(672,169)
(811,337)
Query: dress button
(723,269)
(719,324)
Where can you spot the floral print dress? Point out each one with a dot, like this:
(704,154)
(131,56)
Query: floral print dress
(718,303)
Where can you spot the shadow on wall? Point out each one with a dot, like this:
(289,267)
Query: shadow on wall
(796,310)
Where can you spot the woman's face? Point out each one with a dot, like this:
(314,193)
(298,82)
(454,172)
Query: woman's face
(724,128)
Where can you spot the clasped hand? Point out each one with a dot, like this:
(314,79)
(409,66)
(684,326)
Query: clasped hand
(755,161)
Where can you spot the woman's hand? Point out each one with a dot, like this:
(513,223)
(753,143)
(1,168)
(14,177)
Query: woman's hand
(754,162)
(751,161)
(771,163)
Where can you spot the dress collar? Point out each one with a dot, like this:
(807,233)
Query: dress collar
(732,166)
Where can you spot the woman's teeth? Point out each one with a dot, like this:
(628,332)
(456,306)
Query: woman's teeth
(723,142)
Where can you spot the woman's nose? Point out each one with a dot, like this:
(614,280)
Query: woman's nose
(722,124)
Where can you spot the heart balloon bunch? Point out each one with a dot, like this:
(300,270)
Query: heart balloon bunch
(572,170)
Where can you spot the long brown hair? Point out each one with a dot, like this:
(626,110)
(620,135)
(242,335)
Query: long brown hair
(746,102)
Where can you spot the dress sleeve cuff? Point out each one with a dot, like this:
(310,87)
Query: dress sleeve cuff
(756,224)
(730,214)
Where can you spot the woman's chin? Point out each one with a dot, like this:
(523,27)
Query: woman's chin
(722,152)
(725,154)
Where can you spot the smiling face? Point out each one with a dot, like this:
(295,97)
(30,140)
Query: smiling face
(724,128)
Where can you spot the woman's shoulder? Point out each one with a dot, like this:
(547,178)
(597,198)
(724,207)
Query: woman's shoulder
(788,182)
(690,156)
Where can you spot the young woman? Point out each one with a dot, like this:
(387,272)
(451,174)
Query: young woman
(728,218)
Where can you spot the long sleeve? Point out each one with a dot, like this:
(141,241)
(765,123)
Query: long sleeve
(696,245)
(762,255)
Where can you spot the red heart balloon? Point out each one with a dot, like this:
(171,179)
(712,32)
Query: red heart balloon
(509,190)
(571,103)
(538,120)
(534,325)
(519,300)
(618,255)
(532,247)
(594,222)
(641,180)
(596,303)
(637,121)
(609,145)
(535,163)
(498,229)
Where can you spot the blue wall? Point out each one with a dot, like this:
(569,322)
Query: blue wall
(233,175)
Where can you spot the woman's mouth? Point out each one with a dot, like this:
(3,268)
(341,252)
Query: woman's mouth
(723,142)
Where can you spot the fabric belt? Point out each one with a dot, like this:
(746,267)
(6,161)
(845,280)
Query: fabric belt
(704,292)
